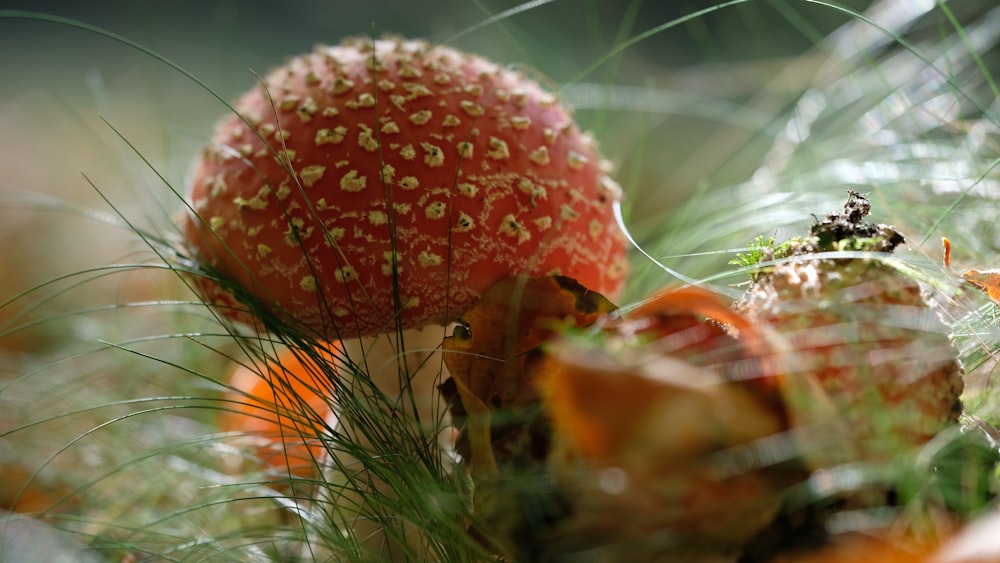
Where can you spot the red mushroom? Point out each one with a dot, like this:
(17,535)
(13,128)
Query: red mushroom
(387,183)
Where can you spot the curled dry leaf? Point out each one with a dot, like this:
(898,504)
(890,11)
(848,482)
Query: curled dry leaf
(598,395)
(489,355)
(987,281)
(658,425)
(975,542)
(644,428)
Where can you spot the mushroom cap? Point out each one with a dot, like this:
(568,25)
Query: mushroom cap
(374,167)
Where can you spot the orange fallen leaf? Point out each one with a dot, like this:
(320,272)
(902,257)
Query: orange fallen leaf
(658,422)
(662,360)
(282,411)
(859,548)
(987,281)
(23,491)
(488,357)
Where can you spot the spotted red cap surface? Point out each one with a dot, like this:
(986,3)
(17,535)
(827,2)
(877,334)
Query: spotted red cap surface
(376,162)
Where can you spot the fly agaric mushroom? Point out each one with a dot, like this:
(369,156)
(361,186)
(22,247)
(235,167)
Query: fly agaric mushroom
(873,372)
(388,183)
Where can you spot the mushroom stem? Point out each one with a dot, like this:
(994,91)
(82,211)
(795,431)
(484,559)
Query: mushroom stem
(403,370)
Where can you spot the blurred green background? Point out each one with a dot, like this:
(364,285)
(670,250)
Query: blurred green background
(687,106)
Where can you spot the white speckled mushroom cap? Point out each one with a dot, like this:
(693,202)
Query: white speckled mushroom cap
(376,165)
